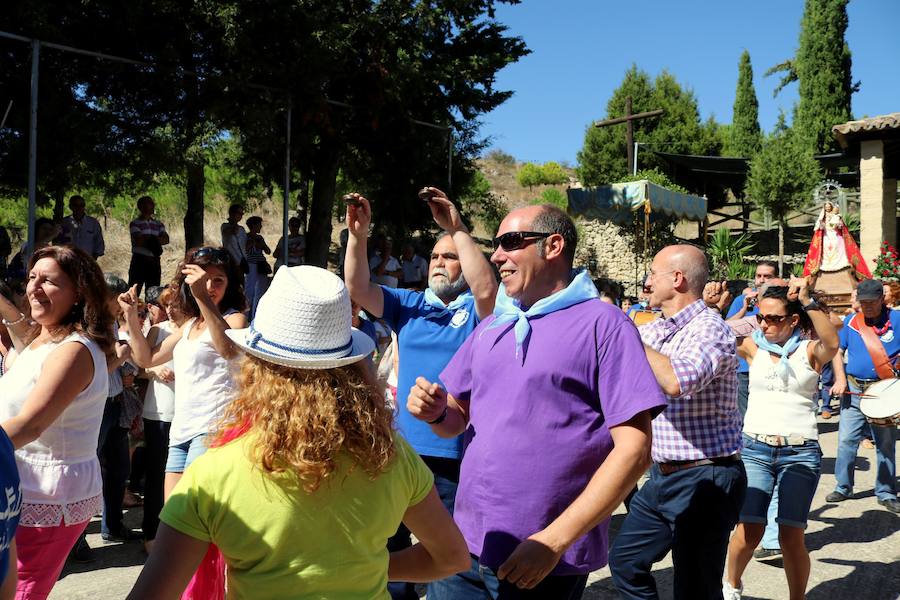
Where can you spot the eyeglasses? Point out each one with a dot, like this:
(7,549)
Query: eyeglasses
(517,239)
(652,274)
(771,319)
(217,254)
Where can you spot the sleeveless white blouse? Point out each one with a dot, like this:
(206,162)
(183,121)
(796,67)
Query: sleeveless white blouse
(779,407)
(60,472)
(159,401)
(204,385)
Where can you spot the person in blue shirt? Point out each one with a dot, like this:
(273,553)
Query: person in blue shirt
(856,377)
(430,328)
(10,507)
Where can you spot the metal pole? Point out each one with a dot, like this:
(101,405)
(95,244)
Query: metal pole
(32,147)
(6,114)
(449,161)
(634,170)
(287,185)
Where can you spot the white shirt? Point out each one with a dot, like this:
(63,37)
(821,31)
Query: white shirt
(392,265)
(204,385)
(59,470)
(779,407)
(159,402)
(85,234)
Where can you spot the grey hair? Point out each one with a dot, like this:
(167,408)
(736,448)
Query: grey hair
(553,220)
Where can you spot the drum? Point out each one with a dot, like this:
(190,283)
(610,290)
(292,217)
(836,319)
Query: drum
(881,403)
(642,317)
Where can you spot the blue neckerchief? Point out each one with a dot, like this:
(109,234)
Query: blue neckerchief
(782,368)
(508,310)
(441,309)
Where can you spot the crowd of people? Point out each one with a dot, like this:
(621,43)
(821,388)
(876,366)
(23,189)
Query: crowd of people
(300,427)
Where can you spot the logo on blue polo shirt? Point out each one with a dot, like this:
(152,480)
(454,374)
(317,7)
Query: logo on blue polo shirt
(459,318)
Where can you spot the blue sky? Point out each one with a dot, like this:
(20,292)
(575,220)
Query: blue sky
(582,48)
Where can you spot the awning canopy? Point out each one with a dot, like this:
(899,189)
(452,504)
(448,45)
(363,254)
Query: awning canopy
(616,202)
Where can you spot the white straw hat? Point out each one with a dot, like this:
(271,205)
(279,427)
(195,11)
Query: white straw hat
(304,321)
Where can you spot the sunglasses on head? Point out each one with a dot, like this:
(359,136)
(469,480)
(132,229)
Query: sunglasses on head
(517,239)
(771,319)
(217,254)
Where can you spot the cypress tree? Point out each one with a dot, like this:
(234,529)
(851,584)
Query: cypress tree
(745,138)
(823,68)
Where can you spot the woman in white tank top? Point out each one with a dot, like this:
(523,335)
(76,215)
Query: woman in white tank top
(207,291)
(781,445)
(52,403)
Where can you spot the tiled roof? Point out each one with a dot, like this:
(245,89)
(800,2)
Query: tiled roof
(881,123)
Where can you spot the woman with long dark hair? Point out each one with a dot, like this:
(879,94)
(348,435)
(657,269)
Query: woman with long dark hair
(53,397)
(207,292)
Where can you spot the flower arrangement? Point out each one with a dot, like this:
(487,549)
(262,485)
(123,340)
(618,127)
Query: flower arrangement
(887,264)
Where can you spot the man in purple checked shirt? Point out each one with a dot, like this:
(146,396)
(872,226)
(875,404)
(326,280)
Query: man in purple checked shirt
(555,396)
(697,482)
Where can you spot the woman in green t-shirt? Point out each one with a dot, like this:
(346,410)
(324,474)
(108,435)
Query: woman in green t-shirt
(306,479)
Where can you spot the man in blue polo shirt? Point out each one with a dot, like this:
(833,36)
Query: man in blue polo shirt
(858,376)
(430,328)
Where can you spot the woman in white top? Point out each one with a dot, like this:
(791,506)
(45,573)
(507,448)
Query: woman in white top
(207,291)
(53,396)
(159,408)
(781,445)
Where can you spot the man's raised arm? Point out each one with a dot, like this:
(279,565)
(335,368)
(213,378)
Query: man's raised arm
(476,269)
(356,263)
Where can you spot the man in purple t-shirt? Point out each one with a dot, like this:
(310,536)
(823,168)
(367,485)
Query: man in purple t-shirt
(555,396)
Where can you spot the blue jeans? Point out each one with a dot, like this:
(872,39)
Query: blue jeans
(792,470)
(691,512)
(112,450)
(182,455)
(481,583)
(770,535)
(446,480)
(851,429)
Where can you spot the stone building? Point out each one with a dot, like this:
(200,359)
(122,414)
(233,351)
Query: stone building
(876,142)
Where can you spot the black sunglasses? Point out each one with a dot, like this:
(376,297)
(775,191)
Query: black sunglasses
(771,319)
(217,254)
(517,239)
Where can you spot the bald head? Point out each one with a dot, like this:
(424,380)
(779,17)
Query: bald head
(690,261)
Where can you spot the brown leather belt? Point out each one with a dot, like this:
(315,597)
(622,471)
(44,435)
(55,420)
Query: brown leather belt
(667,468)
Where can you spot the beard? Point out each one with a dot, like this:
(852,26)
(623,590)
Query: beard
(443,287)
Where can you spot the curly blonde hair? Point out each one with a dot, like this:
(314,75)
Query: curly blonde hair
(305,417)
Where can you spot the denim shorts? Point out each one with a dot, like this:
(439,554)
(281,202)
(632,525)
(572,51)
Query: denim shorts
(794,469)
(182,455)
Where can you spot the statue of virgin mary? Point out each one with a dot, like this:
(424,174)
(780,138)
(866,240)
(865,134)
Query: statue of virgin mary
(832,247)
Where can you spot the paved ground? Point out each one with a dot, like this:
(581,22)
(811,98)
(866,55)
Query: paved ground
(854,546)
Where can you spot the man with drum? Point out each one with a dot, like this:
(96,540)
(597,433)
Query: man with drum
(871,340)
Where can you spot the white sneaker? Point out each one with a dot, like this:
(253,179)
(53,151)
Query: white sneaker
(731,593)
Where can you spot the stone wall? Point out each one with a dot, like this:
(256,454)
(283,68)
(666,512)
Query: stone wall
(612,249)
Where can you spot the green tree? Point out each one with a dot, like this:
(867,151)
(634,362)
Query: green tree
(745,135)
(553,197)
(822,67)
(552,173)
(603,156)
(529,175)
(782,176)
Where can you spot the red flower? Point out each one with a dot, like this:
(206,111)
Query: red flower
(885,272)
